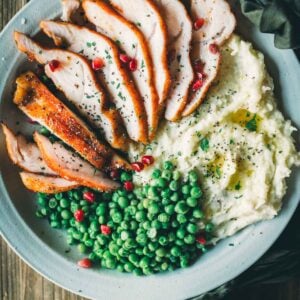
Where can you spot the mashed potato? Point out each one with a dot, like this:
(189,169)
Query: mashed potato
(237,140)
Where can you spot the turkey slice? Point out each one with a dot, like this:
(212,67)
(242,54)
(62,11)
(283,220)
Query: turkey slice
(145,14)
(24,154)
(132,41)
(72,167)
(36,101)
(113,75)
(46,184)
(180,36)
(73,75)
(68,8)
(219,24)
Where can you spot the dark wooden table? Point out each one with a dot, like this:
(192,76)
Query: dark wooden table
(19,282)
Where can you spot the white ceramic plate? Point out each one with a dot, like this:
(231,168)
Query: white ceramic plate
(45,249)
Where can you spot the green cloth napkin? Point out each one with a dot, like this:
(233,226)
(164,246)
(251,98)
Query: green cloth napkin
(281,17)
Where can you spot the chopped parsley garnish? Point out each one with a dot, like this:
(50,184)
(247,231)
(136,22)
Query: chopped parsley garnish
(138,24)
(89,44)
(252,124)
(204,144)
(238,186)
(218,172)
(143,64)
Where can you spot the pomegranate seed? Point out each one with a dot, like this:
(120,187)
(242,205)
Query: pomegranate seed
(128,186)
(133,65)
(199,23)
(125,58)
(213,48)
(137,166)
(197,85)
(201,75)
(106,230)
(147,160)
(115,174)
(171,55)
(201,240)
(89,197)
(97,63)
(84,263)
(79,215)
(54,64)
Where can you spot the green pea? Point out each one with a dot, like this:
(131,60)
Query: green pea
(169,209)
(141,239)
(133,258)
(140,206)
(39,214)
(176,175)
(66,214)
(166,174)
(42,201)
(133,225)
(81,248)
(162,182)
(117,217)
(82,228)
(102,240)
(164,266)
(139,251)
(156,173)
(146,203)
(152,192)
(115,197)
(181,207)
(74,206)
(175,251)
(129,267)
(153,208)
(184,262)
(89,243)
(171,236)
(161,252)
(192,228)
(129,244)
(175,224)
(153,246)
(168,165)
(180,233)
(189,239)
(64,203)
(55,224)
(126,176)
(198,213)
(113,248)
(52,203)
(144,262)
(209,227)
(179,242)
(44,131)
(193,177)
(186,189)
(146,225)
(124,235)
(151,233)
(163,217)
(163,240)
(102,219)
(147,271)
(137,272)
(192,202)
(141,216)
(174,185)
(156,224)
(174,197)
(131,210)
(110,263)
(120,268)
(196,192)
(181,218)
(122,193)
(165,201)
(77,235)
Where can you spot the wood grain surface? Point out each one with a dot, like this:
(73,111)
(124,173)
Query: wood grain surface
(19,282)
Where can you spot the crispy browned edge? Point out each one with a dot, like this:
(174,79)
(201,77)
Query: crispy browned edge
(38,184)
(184,101)
(120,140)
(55,166)
(187,112)
(148,61)
(135,96)
(164,58)
(27,85)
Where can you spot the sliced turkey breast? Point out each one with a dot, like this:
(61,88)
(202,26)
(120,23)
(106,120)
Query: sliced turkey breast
(214,24)
(145,14)
(46,184)
(36,101)
(73,75)
(72,167)
(68,7)
(101,50)
(134,44)
(180,36)
(24,154)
